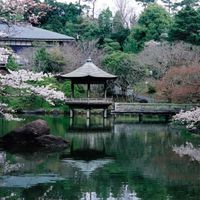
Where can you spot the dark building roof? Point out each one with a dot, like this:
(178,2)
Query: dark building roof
(88,71)
(28,32)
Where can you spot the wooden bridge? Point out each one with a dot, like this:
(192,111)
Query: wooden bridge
(160,109)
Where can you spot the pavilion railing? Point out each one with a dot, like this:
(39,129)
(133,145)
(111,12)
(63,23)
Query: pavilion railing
(95,100)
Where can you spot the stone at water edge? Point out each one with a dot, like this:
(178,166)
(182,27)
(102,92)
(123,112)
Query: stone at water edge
(38,127)
(27,133)
(34,135)
(52,142)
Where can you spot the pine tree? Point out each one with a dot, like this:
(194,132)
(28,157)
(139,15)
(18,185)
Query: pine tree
(186,26)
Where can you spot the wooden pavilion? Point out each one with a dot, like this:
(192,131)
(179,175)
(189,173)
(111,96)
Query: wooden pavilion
(88,74)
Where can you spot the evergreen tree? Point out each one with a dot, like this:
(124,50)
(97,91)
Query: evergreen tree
(135,41)
(119,32)
(105,22)
(62,13)
(152,23)
(117,22)
(156,20)
(186,26)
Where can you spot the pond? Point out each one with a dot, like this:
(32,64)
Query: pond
(109,160)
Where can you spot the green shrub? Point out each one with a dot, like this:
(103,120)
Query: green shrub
(151,89)
(50,60)
(11,64)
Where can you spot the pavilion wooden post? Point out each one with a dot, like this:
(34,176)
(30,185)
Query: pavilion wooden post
(88,90)
(72,89)
(71,110)
(105,110)
(88,122)
(140,117)
(88,96)
(88,113)
(105,90)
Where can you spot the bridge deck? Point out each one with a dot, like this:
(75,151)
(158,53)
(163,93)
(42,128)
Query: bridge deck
(151,108)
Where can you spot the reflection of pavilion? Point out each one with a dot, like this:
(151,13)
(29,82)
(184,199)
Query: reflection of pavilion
(89,148)
(88,74)
(87,151)
(94,124)
(86,159)
(87,167)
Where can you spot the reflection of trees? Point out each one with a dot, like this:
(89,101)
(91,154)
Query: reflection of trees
(143,165)
(148,150)
(124,194)
(6,166)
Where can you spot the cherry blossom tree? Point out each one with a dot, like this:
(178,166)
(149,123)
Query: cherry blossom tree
(190,118)
(192,121)
(21,80)
(4,54)
(18,80)
(19,10)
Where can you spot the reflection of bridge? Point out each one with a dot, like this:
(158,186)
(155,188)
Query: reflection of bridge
(162,109)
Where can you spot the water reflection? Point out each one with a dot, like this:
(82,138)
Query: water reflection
(125,194)
(96,124)
(27,180)
(87,167)
(127,161)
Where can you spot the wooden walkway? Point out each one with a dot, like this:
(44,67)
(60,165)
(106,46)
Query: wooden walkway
(161,109)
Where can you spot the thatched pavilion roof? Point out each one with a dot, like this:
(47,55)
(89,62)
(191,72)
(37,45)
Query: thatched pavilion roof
(88,72)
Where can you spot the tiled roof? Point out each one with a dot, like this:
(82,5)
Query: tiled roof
(28,32)
(89,69)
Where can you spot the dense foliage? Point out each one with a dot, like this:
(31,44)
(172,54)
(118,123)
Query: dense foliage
(181,84)
(50,60)
(127,69)
(138,49)
(152,23)
(186,26)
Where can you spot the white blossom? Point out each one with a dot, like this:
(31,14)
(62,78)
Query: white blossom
(4,53)
(18,80)
(10,117)
(190,118)
(188,150)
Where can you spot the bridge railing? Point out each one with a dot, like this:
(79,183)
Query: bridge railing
(152,107)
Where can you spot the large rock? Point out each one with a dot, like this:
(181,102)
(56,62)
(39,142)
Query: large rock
(32,137)
(52,142)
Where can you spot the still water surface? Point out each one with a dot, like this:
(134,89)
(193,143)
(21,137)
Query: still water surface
(108,160)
